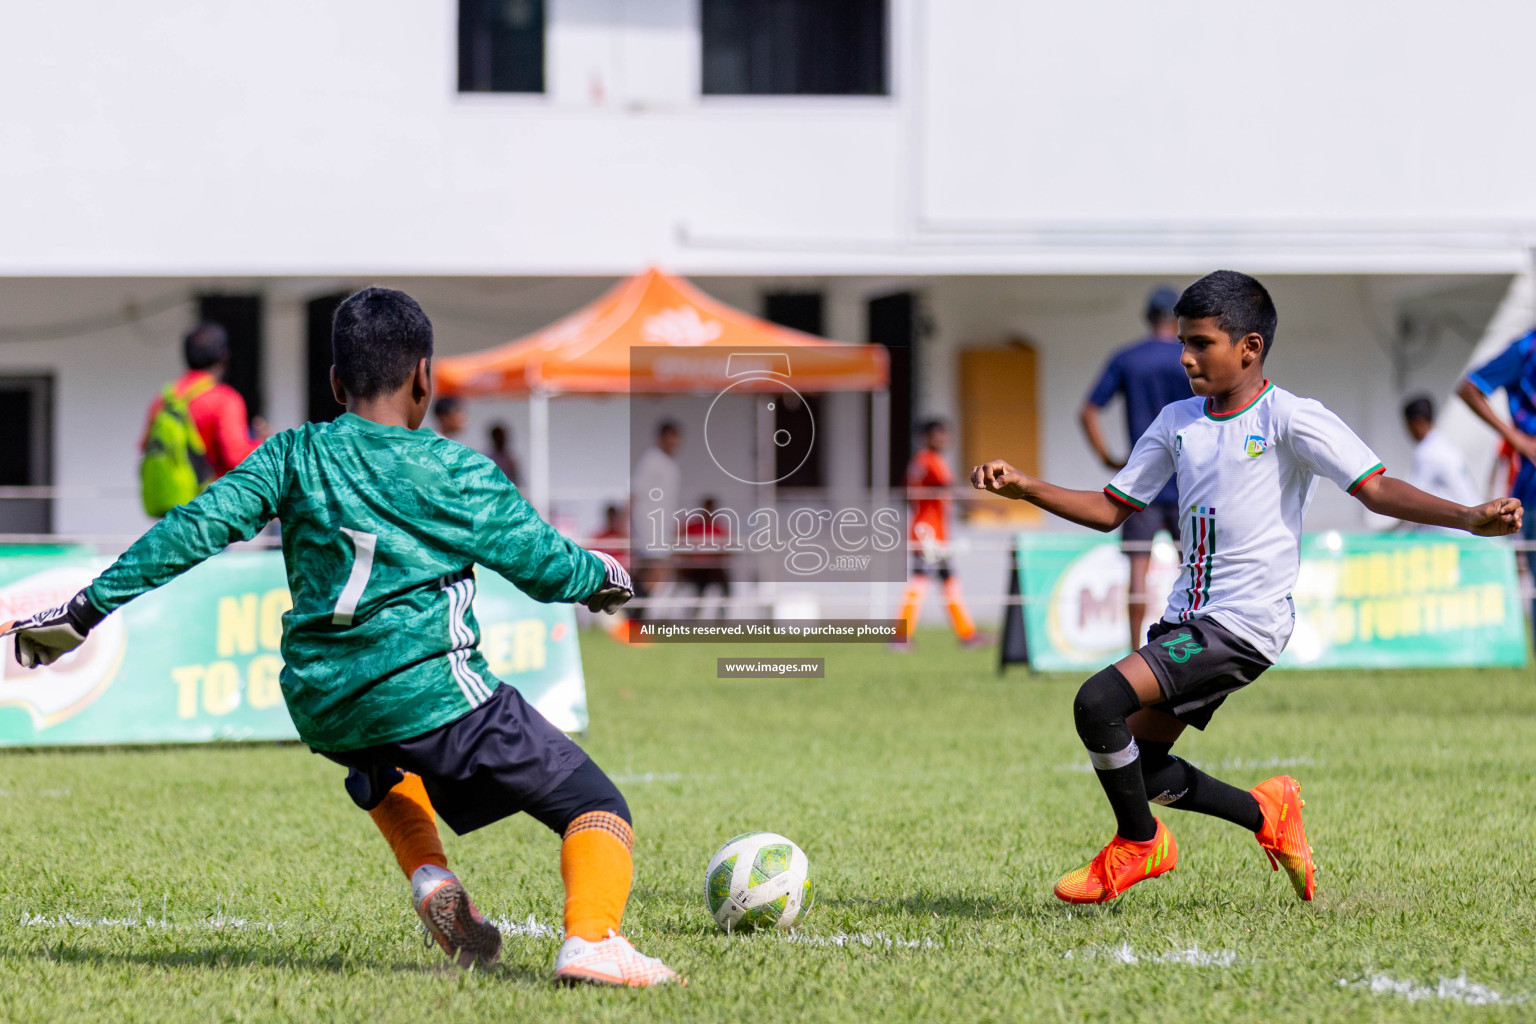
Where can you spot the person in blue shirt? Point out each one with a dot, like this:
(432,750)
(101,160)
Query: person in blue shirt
(1149,374)
(1514,370)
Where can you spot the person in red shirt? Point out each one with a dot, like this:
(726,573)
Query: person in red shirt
(929,535)
(217,409)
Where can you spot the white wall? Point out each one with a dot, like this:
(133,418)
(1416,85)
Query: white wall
(1335,342)
(289,138)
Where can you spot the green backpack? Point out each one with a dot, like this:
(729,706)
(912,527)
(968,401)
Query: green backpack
(175,465)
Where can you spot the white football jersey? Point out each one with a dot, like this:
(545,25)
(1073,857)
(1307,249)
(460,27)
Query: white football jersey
(1245,480)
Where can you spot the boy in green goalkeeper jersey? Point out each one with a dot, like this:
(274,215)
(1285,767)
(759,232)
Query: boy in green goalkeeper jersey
(383,524)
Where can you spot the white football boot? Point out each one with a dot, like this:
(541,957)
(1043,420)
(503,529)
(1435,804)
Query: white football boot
(452,920)
(610,961)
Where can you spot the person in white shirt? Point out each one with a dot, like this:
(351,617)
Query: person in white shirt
(1247,456)
(654,486)
(1438,465)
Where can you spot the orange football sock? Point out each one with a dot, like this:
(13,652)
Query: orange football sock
(959,618)
(597,866)
(912,602)
(410,826)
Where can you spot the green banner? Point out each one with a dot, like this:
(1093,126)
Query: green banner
(1362,601)
(198,659)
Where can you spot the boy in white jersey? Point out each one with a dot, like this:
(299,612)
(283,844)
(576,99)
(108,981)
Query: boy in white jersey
(1247,456)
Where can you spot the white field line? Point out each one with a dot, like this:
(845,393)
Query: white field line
(867,940)
(51,793)
(530,927)
(634,778)
(1455,990)
(1194,956)
(218,921)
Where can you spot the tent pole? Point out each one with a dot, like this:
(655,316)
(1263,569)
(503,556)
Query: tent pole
(538,450)
(880,478)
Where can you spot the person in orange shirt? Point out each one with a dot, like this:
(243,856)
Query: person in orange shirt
(217,409)
(929,536)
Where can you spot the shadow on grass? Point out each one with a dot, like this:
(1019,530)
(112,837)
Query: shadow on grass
(234,955)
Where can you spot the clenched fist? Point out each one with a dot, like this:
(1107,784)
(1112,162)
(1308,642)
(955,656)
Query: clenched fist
(999,478)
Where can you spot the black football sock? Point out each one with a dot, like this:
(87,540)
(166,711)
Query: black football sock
(1099,710)
(1173,782)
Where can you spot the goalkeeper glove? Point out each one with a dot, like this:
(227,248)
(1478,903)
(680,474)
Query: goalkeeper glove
(47,636)
(616,589)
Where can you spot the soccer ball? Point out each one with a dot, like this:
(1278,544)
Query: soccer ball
(758,880)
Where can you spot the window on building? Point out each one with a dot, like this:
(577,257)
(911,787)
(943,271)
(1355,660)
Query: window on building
(501,45)
(794,47)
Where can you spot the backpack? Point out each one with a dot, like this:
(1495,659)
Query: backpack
(174,469)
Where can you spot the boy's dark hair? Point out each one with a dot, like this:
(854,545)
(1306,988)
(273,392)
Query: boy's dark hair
(1239,305)
(378,335)
(1419,407)
(931,424)
(668,427)
(446,406)
(205,345)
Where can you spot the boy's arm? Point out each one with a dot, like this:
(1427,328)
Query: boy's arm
(1094,509)
(1389,496)
(234,508)
(1502,371)
(507,535)
(1111,382)
(1469,392)
(1145,473)
(1325,445)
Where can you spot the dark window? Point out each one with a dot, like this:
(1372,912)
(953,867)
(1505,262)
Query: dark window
(893,323)
(794,47)
(801,311)
(323,406)
(26,458)
(501,45)
(240,316)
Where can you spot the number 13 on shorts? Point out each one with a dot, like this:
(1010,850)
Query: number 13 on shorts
(1181,646)
(363,545)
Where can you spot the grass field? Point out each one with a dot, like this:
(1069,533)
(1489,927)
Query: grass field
(937,803)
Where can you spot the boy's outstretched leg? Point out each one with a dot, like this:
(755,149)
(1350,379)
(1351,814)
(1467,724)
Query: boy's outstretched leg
(405,817)
(1142,847)
(597,866)
(1282,836)
(1271,810)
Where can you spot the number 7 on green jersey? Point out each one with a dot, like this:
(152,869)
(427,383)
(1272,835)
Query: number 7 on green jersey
(357,580)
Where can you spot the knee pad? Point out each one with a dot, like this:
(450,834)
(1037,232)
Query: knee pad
(1099,711)
(1102,702)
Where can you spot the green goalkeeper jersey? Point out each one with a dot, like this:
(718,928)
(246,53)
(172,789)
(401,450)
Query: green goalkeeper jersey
(382,527)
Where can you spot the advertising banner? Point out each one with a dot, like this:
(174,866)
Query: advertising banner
(198,659)
(1362,601)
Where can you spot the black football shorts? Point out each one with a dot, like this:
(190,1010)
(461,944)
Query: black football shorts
(501,758)
(1198,664)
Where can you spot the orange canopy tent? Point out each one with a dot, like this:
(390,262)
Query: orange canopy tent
(590,352)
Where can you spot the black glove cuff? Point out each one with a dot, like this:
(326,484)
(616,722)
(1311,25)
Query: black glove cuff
(82,614)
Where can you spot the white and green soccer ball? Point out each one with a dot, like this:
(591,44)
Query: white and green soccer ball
(758,880)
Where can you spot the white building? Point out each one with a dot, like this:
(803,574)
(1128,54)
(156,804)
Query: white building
(1023,170)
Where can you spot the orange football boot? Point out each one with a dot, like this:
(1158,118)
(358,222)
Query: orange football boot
(1282,837)
(1119,866)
